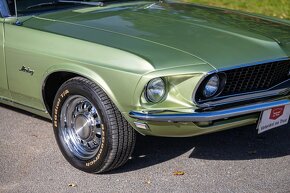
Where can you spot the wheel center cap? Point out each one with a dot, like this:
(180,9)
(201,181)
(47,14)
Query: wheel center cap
(82,127)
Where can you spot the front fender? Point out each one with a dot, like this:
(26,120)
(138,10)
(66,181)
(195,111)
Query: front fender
(118,85)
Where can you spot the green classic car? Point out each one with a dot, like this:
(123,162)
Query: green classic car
(103,71)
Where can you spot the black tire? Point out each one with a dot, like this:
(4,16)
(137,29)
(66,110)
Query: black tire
(118,137)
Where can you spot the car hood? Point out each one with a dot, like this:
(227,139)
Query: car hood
(168,34)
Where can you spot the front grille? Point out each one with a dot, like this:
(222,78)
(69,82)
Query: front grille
(256,77)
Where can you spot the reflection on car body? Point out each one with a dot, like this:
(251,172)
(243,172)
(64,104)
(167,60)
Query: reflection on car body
(103,71)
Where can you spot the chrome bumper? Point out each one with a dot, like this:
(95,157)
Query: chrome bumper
(207,116)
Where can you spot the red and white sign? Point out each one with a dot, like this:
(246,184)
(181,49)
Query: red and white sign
(277,112)
(273,118)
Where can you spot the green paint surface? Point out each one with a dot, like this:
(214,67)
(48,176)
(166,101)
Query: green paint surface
(122,46)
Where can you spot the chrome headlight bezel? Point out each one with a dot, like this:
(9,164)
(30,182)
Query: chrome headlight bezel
(200,91)
(152,88)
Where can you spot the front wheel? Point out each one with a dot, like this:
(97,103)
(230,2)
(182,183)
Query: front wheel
(90,131)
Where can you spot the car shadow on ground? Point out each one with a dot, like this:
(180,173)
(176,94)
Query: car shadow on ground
(24,112)
(236,144)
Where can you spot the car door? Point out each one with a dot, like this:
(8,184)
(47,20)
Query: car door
(4,92)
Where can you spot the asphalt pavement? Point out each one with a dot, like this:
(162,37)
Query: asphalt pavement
(237,160)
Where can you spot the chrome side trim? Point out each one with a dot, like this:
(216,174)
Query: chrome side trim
(207,116)
(19,104)
(243,96)
(4,99)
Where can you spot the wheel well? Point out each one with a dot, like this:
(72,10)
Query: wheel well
(51,85)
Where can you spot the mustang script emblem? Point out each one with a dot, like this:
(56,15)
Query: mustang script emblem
(27,70)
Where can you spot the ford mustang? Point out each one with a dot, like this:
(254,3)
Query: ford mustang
(103,71)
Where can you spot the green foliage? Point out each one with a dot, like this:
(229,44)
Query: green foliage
(277,8)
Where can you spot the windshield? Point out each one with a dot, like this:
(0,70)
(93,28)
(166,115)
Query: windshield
(25,7)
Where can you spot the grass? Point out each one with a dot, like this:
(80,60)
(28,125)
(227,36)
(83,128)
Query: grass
(276,8)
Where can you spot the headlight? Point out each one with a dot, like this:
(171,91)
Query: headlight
(155,90)
(212,86)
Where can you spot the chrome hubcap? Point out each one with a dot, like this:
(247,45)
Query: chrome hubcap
(80,127)
(83,127)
